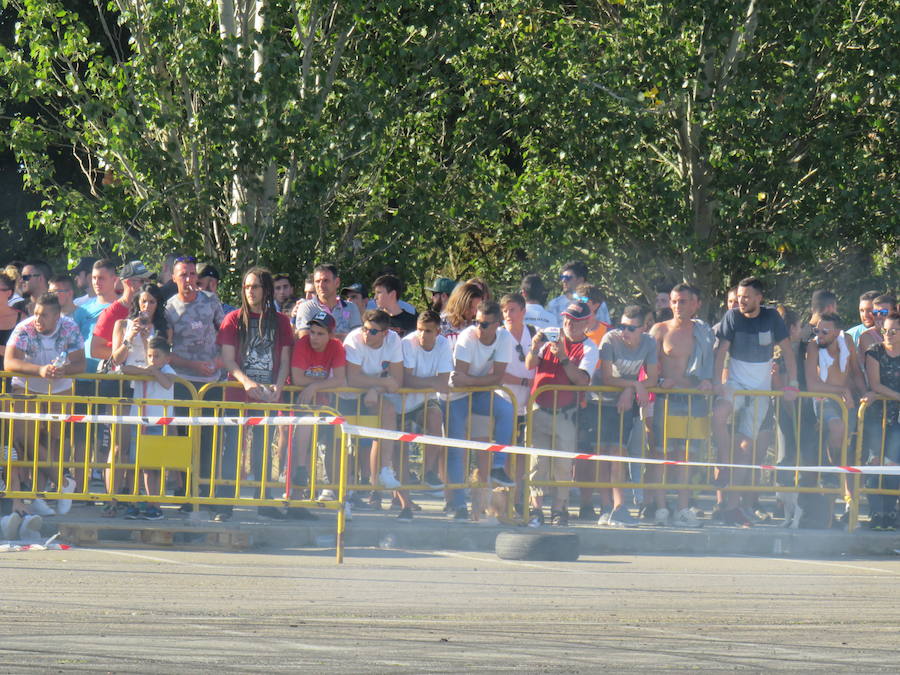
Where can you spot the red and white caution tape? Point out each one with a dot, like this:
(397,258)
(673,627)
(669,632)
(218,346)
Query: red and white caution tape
(386,434)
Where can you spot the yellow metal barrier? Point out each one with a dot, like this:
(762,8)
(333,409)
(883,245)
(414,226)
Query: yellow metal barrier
(685,433)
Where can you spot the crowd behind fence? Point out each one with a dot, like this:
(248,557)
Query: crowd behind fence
(306,466)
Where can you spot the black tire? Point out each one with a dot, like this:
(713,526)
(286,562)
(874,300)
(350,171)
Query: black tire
(557,546)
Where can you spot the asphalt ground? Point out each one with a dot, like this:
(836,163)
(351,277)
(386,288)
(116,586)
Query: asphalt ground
(126,610)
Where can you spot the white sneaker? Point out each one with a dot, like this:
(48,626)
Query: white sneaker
(387,479)
(661,517)
(686,518)
(63,506)
(326,496)
(31,527)
(42,508)
(348,511)
(603,521)
(10,526)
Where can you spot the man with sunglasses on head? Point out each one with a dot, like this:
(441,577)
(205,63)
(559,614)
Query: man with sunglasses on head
(749,336)
(480,358)
(565,358)
(881,307)
(573,274)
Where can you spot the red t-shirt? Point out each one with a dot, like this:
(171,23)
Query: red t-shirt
(107,321)
(261,359)
(551,371)
(318,364)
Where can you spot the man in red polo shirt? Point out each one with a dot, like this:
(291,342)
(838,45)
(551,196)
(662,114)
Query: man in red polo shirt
(570,359)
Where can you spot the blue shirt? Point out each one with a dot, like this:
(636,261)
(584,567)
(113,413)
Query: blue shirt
(94,308)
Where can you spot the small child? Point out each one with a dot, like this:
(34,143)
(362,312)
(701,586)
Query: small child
(160,387)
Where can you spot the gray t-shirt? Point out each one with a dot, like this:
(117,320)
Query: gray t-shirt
(346,315)
(194,327)
(625,362)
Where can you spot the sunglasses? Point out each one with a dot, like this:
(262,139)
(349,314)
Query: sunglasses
(566,277)
(521,352)
(630,329)
(580,298)
(890,331)
(186,259)
(375,331)
(875,312)
(484,325)
(29,277)
(822,331)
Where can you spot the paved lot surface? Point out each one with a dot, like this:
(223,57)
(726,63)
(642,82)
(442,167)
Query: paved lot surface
(127,610)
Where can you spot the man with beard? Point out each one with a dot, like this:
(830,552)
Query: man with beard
(440,291)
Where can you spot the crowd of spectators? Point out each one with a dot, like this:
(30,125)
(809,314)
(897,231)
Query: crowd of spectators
(172,326)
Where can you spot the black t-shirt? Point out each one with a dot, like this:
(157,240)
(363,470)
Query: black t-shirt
(752,340)
(888,373)
(403,323)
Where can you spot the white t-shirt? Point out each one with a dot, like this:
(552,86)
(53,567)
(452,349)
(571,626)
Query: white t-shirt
(373,362)
(151,389)
(539,317)
(481,357)
(517,368)
(425,363)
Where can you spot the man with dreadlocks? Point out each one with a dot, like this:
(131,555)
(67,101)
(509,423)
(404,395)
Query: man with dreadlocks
(256,346)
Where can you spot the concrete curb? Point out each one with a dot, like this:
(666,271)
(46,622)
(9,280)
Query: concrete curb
(430,532)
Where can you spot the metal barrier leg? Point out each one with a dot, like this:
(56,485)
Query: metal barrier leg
(342,499)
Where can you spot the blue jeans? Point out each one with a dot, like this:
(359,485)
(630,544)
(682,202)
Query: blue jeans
(481,404)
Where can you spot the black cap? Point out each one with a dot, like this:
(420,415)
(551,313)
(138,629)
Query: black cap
(208,271)
(84,265)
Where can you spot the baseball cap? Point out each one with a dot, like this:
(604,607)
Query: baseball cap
(442,285)
(323,319)
(84,265)
(207,270)
(134,270)
(577,311)
(355,287)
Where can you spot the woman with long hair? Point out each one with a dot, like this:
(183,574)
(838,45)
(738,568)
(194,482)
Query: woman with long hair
(256,342)
(460,310)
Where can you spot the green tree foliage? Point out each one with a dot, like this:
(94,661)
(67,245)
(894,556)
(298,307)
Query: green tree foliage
(680,140)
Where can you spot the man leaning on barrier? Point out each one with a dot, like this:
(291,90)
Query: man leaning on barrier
(44,348)
(685,362)
(570,359)
(749,336)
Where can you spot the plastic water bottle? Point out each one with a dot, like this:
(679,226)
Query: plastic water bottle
(62,359)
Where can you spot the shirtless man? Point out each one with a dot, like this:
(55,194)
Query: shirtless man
(685,362)
(833,368)
(881,307)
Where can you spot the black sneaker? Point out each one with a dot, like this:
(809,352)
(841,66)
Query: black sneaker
(271,512)
(875,521)
(152,513)
(587,513)
(395,503)
(890,521)
(186,508)
(300,477)
(462,513)
(535,518)
(559,518)
(375,501)
(132,512)
(405,515)
(433,481)
(500,477)
(299,513)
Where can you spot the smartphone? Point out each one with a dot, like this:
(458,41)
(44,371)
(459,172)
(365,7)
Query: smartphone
(551,333)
